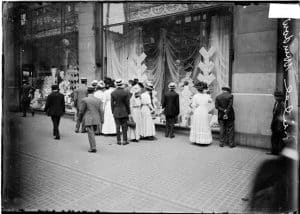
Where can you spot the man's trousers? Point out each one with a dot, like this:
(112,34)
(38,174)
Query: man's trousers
(227,132)
(91,135)
(55,121)
(170,122)
(121,122)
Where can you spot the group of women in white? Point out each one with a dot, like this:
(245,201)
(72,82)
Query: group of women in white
(143,105)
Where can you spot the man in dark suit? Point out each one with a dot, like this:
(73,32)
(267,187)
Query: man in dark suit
(26,96)
(121,110)
(277,127)
(171,109)
(224,103)
(55,108)
(79,94)
(92,114)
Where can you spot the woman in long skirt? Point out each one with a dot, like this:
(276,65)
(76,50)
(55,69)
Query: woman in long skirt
(147,123)
(109,126)
(200,128)
(135,107)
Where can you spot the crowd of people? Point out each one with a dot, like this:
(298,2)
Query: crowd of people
(113,107)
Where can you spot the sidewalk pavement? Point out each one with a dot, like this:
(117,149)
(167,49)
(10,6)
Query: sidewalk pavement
(167,175)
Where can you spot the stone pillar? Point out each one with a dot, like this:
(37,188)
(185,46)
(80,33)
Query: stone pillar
(254,74)
(86,40)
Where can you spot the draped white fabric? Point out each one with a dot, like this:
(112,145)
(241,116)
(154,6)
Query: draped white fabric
(219,39)
(122,54)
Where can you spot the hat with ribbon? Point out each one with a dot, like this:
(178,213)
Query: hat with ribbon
(119,82)
(172,85)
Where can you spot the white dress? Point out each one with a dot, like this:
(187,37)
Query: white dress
(109,126)
(147,123)
(135,108)
(200,128)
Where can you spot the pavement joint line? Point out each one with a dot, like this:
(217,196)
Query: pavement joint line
(113,182)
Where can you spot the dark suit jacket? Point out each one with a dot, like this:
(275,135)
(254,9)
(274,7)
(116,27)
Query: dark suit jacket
(276,124)
(55,104)
(171,104)
(120,106)
(224,102)
(79,94)
(91,111)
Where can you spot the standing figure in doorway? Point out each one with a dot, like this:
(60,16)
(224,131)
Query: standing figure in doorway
(55,108)
(121,110)
(224,103)
(79,94)
(171,109)
(92,114)
(277,127)
(26,96)
(200,128)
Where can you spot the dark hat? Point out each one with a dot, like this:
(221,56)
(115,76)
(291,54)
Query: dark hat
(278,93)
(226,88)
(54,87)
(90,89)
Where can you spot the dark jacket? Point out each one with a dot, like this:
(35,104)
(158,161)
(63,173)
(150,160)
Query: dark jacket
(79,94)
(91,111)
(276,124)
(55,104)
(224,102)
(171,104)
(27,93)
(120,106)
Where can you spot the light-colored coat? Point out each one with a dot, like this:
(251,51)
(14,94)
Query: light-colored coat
(91,111)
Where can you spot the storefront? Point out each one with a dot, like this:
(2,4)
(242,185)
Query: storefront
(49,50)
(183,43)
(220,43)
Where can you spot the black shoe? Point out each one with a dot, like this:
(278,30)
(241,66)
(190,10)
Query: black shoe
(57,138)
(23,115)
(221,145)
(76,131)
(232,146)
(32,113)
(166,135)
(125,143)
(92,150)
(271,153)
(83,131)
(172,136)
(119,143)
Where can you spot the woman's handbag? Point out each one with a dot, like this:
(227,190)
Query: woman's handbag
(131,123)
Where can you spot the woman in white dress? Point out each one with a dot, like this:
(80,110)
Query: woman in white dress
(135,108)
(109,126)
(147,123)
(200,129)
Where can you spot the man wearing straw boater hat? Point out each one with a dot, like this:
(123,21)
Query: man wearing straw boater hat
(171,109)
(121,110)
